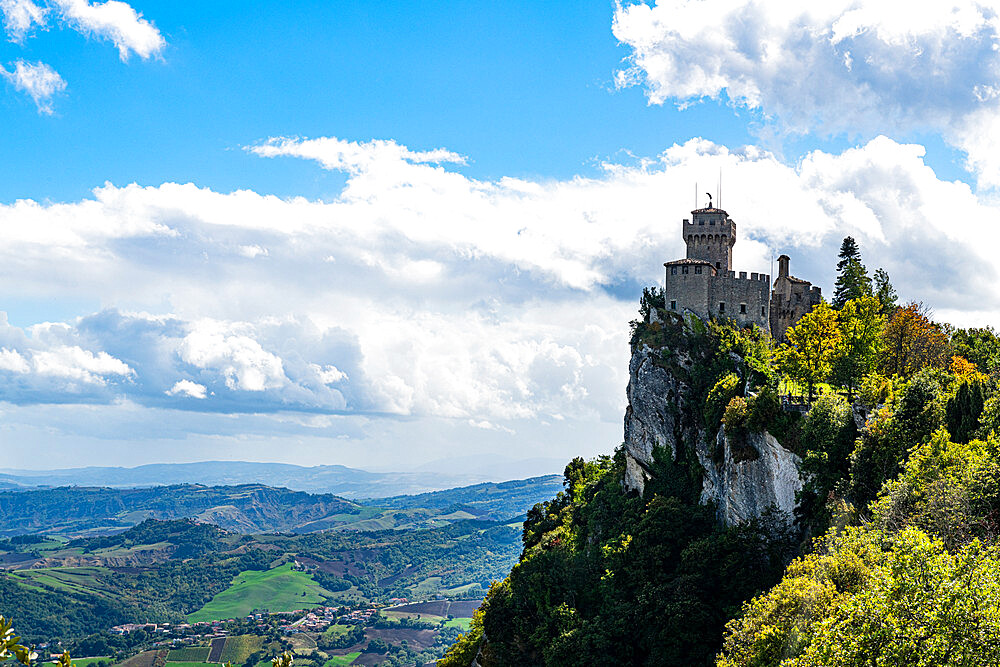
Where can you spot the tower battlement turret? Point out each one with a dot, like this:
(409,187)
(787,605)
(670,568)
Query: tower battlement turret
(710,234)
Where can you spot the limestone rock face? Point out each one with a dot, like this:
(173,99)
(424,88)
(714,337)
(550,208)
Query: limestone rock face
(743,479)
(653,416)
(749,478)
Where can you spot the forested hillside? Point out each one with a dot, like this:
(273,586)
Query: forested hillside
(890,557)
(168,571)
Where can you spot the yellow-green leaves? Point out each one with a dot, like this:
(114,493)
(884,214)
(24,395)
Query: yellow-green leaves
(877,600)
(812,343)
(10,644)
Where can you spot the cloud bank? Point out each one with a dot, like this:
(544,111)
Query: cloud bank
(422,293)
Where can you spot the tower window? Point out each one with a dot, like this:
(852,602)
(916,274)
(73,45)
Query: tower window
(712,222)
(673,270)
(701,222)
(722,306)
(673,305)
(762,311)
(718,266)
(743,309)
(684,269)
(697,269)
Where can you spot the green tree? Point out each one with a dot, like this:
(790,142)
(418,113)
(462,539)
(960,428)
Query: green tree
(885,292)
(852,283)
(890,433)
(852,279)
(861,326)
(849,252)
(948,489)
(874,599)
(812,344)
(980,346)
(964,409)
(828,436)
(11,646)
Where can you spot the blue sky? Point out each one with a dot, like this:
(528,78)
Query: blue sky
(379,233)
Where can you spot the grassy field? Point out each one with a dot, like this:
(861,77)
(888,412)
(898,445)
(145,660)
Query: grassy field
(77,580)
(460,623)
(278,589)
(184,664)
(397,615)
(239,648)
(339,660)
(144,659)
(189,654)
(336,630)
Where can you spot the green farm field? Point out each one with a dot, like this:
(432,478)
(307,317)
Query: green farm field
(339,660)
(239,648)
(188,654)
(462,624)
(278,589)
(74,580)
(171,663)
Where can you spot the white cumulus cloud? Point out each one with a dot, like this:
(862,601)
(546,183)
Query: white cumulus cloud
(187,388)
(845,66)
(74,363)
(245,365)
(435,298)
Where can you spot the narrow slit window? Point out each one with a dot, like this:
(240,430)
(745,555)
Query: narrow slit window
(743,309)
(673,305)
(722,306)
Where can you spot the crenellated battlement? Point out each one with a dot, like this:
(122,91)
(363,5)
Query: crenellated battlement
(710,234)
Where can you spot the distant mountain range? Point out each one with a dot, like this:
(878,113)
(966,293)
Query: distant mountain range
(75,511)
(336,479)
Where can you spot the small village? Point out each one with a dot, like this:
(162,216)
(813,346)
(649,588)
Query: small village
(317,619)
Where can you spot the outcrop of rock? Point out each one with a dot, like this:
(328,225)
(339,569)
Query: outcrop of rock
(743,481)
(757,475)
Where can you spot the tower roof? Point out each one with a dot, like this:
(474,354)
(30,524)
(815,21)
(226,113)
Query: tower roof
(709,209)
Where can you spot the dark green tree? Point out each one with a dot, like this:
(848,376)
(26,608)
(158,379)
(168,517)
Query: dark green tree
(963,410)
(884,292)
(852,283)
(849,251)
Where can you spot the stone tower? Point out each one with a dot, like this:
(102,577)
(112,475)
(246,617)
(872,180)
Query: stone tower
(710,235)
(791,299)
(704,283)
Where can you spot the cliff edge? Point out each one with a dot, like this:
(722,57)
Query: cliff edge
(673,364)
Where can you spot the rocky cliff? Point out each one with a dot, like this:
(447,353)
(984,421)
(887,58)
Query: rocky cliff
(744,479)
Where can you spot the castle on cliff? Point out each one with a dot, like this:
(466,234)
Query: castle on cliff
(705,284)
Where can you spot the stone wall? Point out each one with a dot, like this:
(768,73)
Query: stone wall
(743,299)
